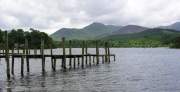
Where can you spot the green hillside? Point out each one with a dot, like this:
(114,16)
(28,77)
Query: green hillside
(89,32)
(151,37)
(158,34)
(121,36)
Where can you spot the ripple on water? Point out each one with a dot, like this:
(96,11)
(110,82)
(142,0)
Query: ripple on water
(136,70)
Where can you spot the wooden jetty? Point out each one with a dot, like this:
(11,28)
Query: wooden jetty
(85,58)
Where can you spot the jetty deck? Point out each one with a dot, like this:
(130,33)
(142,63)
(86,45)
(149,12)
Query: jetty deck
(83,59)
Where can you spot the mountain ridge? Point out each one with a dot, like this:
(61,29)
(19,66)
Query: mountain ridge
(98,30)
(89,32)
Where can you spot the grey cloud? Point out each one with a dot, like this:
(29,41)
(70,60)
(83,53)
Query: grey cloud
(54,14)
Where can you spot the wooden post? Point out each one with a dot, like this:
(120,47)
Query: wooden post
(97,53)
(7,56)
(22,63)
(74,62)
(114,58)
(52,62)
(27,59)
(54,66)
(18,44)
(90,60)
(78,62)
(109,59)
(12,66)
(18,47)
(70,53)
(82,64)
(42,55)
(106,52)
(64,54)
(86,52)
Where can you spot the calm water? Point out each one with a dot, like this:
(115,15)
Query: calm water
(135,70)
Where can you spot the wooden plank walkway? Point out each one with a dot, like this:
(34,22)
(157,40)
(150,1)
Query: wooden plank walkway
(53,56)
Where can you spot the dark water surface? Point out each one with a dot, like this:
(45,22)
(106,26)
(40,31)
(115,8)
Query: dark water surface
(135,70)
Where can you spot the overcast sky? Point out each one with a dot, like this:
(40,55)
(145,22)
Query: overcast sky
(51,15)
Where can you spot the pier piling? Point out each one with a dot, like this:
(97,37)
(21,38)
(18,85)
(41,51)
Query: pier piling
(22,63)
(7,55)
(74,62)
(97,53)
(42,55)
(26,53)
(64,54)
(12,64)
(86,51)
(70,53)
(82,64)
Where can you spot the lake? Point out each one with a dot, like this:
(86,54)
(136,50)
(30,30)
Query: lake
(135,70)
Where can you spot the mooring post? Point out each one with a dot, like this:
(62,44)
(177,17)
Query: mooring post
(7,56)
(12,66)
(52,61)
(97,53)
(26,55)
(106,52)
(18,47)
(22,63)
(42,54)
(86,52)
(70,53)
(18,43)
(89,60)
(74,62)
(54,66)
(78,62)
(114,58)
(82,64)
(64,54)
(109,58)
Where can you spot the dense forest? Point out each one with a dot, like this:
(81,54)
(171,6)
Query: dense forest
(16,38)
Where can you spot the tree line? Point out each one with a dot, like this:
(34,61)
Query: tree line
(16,38)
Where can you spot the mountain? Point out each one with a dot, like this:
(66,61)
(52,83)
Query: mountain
(99,31)
(130,29)
(150,34)
(175,26)
(89,32)
(68,33)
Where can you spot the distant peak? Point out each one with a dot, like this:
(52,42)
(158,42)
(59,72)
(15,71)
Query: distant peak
(94,24)
(176,23)
(133,26)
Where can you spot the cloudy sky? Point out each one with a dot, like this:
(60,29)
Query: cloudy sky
(51,15)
